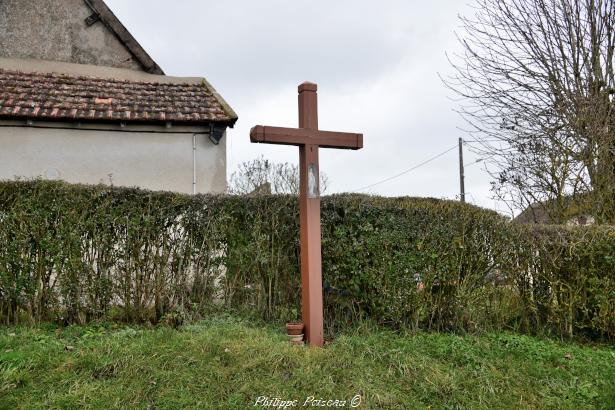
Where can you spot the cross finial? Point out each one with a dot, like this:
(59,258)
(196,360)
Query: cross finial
(308,106)
(308,86)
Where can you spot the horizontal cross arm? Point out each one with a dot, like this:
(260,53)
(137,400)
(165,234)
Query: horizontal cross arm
(304,136)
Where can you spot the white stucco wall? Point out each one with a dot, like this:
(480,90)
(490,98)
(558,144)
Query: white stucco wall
(156,161)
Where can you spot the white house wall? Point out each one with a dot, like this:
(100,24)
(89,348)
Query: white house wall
(156,161)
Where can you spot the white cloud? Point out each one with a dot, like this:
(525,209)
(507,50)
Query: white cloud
(376,64)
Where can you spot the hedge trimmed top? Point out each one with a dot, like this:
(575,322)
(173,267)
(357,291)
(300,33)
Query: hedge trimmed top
(74,253)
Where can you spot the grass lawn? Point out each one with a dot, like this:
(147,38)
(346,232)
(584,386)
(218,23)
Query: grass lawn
(228,363)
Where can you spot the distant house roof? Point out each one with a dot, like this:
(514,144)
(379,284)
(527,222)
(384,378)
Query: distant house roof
(536,213)
(102,13)
(53,96)
(576,212)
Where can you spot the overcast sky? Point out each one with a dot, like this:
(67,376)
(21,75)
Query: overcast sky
(376,64)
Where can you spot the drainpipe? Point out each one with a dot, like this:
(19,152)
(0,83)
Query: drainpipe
(193,164)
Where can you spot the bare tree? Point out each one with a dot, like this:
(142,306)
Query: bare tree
(263,176)
(536,82)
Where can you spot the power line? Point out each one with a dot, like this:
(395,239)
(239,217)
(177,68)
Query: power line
(479,160)
(487,140)
(408,170)
(473,163)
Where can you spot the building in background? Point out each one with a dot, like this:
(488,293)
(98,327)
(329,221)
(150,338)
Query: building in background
(81,101)
(576,213)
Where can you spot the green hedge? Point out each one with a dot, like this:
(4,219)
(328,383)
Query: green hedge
(565,279)
(77,253)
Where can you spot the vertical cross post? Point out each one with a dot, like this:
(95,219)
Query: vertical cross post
(309,139)
(309,211)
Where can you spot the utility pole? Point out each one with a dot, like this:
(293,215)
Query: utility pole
(462,187)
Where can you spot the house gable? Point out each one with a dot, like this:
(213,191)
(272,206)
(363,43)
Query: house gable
(73,31)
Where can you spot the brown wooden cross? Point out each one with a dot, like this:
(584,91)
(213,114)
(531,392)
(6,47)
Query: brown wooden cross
(308,138)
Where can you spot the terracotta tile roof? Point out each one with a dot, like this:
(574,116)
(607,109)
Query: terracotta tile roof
(46,96)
